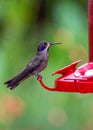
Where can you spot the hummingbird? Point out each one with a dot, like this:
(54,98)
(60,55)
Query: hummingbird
(34,67)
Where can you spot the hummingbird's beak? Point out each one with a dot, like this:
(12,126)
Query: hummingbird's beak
(53,43)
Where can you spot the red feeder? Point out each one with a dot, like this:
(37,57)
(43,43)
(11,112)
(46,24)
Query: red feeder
(80,79)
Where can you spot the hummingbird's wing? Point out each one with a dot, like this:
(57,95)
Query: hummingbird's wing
(30,68)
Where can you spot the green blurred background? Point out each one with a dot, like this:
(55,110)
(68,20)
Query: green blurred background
(24,23)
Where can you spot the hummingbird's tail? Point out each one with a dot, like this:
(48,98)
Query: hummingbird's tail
(14,82)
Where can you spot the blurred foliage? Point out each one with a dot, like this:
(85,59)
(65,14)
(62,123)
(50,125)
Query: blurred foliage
(24,23)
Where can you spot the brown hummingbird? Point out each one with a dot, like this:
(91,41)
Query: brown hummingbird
(34,67)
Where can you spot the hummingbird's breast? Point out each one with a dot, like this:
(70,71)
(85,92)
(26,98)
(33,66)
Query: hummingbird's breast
(44,62)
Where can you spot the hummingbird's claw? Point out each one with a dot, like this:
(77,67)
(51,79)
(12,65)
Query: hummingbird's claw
(39,77)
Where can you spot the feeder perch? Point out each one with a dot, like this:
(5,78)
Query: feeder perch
(79,79)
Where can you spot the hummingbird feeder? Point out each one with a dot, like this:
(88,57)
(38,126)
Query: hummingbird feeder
(77,79)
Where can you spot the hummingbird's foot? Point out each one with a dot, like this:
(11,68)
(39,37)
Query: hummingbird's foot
(39,77)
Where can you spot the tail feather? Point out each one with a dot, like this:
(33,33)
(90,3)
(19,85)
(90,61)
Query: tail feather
(14,82)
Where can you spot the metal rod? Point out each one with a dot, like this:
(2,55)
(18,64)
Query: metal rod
(90,27)
(46,87)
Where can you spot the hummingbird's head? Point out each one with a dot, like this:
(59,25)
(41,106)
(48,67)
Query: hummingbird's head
(44,45)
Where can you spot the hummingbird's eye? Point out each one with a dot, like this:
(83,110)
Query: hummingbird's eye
(45,43)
